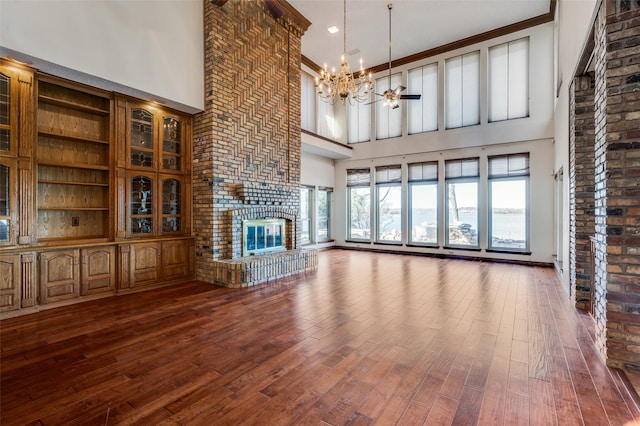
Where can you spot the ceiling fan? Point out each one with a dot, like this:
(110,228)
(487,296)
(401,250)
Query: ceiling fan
(392,97)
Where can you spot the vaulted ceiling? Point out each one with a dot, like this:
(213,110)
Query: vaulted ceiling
(417,25)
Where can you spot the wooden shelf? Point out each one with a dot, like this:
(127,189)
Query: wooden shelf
(75,239)
(68,104)
(71,137)
(72,166)
(59,182)
(78,209)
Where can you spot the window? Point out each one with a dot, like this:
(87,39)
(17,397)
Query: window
(359,193)
(326,123)
(306,214)
(508,202)
(359,122)
(423,114)
(388,120)
(509,80)
(462,90)
(308,103)
(462,202)
(423,203)
(389,199)
(324,213)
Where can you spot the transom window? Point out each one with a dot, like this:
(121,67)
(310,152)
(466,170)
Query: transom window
(462,90)
(509,80)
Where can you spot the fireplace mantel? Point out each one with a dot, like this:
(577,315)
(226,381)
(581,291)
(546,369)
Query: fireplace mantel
(265,193)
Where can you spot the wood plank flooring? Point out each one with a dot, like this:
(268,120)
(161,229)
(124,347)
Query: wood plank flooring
(366,339)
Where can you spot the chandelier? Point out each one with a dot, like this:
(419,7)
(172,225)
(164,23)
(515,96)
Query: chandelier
(344,85)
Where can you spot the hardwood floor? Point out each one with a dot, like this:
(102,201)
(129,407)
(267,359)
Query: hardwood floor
(367,338)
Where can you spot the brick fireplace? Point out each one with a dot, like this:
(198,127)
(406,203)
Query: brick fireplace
(247,141)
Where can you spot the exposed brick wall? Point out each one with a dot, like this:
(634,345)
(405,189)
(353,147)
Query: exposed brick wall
(250,129)
(617,182)
(623,183)
(600,201)
(581,187)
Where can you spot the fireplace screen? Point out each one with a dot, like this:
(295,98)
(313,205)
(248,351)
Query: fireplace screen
(263,236)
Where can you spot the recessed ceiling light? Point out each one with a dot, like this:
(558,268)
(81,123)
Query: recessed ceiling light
(333,29)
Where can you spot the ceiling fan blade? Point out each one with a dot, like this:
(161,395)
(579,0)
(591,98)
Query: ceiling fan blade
(399,89)
(372,102)
(410,97)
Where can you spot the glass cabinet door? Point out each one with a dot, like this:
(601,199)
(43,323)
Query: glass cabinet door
(5,113)
(171,144)
(141,138)
(5,201)
(171,205)
(141,205)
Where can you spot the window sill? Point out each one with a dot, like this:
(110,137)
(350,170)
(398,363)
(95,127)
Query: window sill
(527,253)
(476,249)
(358,241)
(390,243)
(426,245)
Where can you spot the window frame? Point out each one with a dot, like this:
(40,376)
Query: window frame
(363,114)
(526,177)
(350,189)
(310,211)
(423,182)
(462,178)
(388,182)
(328,192)
(427,96)
(395,115)
(490,86)
(462,85)
(308,105)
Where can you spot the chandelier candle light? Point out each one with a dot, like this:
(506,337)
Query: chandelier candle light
(344,85)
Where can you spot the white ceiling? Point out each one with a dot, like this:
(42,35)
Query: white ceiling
(417,25)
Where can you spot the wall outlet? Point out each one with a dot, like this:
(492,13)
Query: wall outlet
(75,221)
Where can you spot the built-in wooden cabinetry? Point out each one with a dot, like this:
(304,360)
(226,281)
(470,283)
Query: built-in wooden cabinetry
(73,157)
(93,192)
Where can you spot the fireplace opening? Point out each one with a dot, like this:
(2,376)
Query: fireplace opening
(261,236)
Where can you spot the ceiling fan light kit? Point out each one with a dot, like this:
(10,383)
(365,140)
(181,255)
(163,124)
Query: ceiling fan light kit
(344,85)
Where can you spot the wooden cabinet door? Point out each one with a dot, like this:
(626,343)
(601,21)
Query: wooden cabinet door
(175,259)
(9,282)
(59,275)
(145,265)
(98,270)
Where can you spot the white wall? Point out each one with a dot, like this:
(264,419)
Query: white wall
(574,20)
(317,171)
(149,49)
(533,134)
